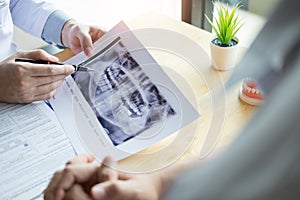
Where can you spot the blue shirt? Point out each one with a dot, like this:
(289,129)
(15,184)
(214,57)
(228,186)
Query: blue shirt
(53,27)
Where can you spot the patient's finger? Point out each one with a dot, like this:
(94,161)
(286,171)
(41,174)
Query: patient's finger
(76,192)
(64,180)
(81,159)
(107,171)
(51,192)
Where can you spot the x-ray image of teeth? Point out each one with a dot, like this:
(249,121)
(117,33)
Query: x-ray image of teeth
(122,96)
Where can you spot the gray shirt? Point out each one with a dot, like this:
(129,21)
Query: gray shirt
(264,161)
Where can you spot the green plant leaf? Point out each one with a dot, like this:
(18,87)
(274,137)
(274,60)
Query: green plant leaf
(227,22)
(237,29)
(212,25)
(232,14)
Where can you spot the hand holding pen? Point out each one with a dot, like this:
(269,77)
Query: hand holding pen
(24,82)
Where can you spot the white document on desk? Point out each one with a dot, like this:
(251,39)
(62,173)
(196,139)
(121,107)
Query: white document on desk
(127,104)
(33,146)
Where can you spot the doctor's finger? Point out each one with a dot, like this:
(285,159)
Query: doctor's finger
(96,33)
(44,96)
(46,91)
(43,80)
(85,41)
(48,70)
(37,55)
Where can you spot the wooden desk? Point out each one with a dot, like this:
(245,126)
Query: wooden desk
(189,141)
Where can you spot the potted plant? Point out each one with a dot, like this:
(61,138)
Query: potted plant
(224,45)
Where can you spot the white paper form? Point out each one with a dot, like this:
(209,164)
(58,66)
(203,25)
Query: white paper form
(127,104)
(32,147)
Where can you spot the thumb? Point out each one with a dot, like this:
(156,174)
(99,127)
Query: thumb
(114,190)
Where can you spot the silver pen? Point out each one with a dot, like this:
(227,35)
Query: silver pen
(77,68)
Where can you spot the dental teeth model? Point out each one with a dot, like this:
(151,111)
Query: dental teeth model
(251,93)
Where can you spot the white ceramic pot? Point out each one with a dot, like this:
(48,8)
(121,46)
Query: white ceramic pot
(223,58)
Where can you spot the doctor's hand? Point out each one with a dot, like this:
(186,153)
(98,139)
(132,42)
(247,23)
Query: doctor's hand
(22,82)
(80,37)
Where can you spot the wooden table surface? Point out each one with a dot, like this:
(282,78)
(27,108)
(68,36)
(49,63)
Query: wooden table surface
(201,137)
